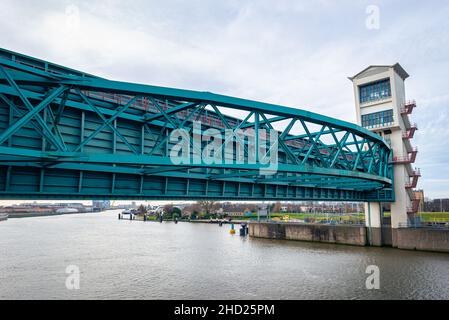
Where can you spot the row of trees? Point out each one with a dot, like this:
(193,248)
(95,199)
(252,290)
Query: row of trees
(213,209)
(203,209)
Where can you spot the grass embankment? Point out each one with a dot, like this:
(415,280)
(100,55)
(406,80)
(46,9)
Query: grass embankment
(434,216)
(348,218)
(429,216)
(311,217)
(149,218)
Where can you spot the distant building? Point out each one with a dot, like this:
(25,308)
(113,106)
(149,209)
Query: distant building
(100,205)
(262,210)
(419,196)
(436,205)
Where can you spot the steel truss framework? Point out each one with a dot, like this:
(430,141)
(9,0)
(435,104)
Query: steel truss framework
(65,134)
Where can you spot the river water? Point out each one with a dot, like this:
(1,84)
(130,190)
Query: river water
(135,260)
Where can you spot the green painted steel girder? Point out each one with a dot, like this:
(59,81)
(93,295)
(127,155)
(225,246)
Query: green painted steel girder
(88,137)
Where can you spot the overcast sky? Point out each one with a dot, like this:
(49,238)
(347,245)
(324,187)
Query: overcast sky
(294,53)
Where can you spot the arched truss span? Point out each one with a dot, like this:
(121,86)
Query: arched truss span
(65,134)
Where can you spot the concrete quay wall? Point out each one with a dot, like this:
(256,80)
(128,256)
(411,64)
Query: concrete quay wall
(353,235)
(422,239)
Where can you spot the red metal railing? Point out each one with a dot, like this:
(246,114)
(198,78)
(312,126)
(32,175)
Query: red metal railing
(410,158)
(146,104)
(410,133)
(414,208)
(408,107)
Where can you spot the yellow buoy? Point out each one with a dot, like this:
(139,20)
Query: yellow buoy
(232,231)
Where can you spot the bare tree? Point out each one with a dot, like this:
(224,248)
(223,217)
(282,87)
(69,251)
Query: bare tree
(142,209)
(168,209)
(208,205)
(276,207)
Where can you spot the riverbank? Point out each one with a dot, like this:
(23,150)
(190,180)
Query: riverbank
(20,215)
(215,222)
(420,239)
(153,219)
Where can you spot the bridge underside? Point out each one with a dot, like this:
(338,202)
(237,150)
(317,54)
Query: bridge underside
(69,135)
(87,184)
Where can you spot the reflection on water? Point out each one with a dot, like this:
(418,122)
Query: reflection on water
(132,259)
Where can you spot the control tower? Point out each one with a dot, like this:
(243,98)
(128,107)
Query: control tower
(382,108)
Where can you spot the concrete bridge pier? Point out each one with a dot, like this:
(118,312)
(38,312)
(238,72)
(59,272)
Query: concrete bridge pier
(373,218)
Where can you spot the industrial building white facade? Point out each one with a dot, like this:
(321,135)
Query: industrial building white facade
(382,107)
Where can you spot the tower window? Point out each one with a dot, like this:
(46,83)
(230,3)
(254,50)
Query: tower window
(375,91)
(377,119)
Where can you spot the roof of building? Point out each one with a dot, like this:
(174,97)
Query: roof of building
(397,68)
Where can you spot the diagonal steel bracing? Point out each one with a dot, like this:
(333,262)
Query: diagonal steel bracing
(107,133)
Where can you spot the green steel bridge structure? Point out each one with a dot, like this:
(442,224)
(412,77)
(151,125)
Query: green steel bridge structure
(66,134)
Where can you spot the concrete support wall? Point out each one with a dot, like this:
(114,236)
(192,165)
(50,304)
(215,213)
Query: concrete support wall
(373,214)
(402,238)
(421,239)
(373,218)
(353,235)
(387,236)
(402,200)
